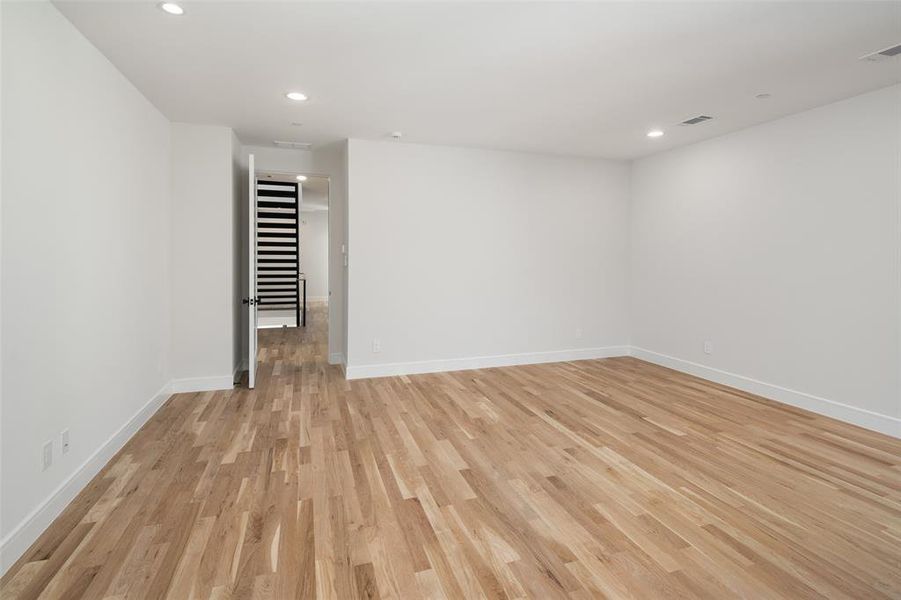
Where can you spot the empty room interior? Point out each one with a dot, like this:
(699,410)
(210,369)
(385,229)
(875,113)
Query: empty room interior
(451,300)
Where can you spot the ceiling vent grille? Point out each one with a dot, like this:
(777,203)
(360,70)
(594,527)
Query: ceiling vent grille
(696,120)
(293,145)
(883,54)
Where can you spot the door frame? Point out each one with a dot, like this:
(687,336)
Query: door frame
(251,252)
(329,254)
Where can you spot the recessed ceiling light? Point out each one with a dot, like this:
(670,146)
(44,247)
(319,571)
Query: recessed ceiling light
(655,133)
(297,96)
(172,8)
(301,178)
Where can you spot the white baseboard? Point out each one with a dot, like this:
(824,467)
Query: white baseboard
(203,384)
(33,525)
(481,362)
(830,408)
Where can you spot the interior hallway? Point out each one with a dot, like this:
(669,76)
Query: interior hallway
(587,479)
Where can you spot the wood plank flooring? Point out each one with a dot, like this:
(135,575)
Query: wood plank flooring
(607,478)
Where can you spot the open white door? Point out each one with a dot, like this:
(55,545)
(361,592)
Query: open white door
(251,275)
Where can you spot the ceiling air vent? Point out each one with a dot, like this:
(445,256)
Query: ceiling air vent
(696,120)
(293,145)
(883,54)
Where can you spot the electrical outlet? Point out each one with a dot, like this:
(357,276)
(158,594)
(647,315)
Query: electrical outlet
(578,333)
(376,346)
(708,347)
(48,456)
(64,441)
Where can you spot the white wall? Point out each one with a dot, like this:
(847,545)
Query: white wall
(85,264)
(239,192)
(331,160)
(780,244)
(464,257)
(314,253)
(203,231)
(272,158)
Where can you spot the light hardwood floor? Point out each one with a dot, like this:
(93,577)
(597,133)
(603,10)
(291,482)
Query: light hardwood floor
(611,478)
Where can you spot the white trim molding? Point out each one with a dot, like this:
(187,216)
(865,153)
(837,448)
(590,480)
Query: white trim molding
(830,408)
(481,362)
(203,384)
(33,525)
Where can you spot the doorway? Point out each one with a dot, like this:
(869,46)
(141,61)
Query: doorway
(289,254)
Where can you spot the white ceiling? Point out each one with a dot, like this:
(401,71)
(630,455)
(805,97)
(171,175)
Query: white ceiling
(564,78)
